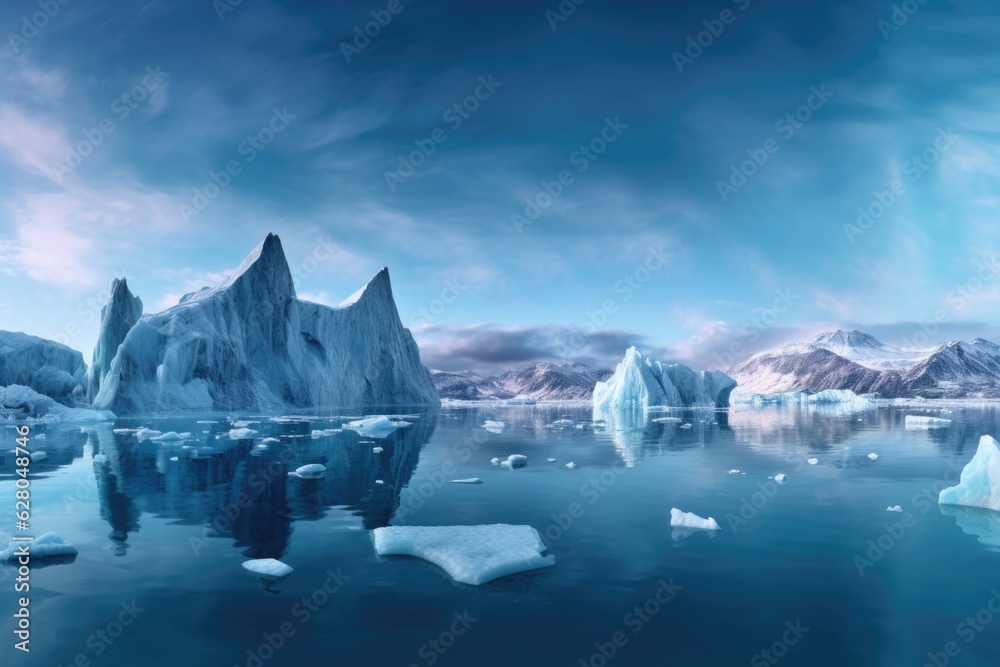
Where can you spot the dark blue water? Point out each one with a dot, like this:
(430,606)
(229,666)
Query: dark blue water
(814,572)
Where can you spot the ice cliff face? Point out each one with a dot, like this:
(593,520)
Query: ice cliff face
(640,383)
(249,344)
(45,366)
(118,317)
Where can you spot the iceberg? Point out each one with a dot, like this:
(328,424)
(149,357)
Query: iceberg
(515,461)
(376,426)
(46,367)
(920,422)
(20,403)
(118,317)
(812,461)
(641,383)
(377,450)
(679,519)
(311,471)
(781,478)
(571,465)
(894,508)
(979,485)
(471,555)
(269,568)
(49,545)
(242,434)
(873,456)
(494,426)
(249,344)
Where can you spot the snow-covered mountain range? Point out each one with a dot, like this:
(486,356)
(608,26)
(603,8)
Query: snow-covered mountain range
(858,361)
(539,380)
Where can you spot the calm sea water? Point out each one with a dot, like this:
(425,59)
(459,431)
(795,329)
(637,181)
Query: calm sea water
(811,572)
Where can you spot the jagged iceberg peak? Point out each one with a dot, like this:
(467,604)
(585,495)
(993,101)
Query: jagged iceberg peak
(640,383)
(249,344)
(118,317)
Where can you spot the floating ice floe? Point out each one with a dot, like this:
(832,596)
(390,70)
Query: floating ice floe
(242,434)
(686,426)
(515,461)
(38,455)
(471,480)
(571,465)
(781,478)
(322,433)
(311,471)
(495,461)
(49,545)
(495,426)
(377,450)
(172,436)
(921,422)
(873,456)
(736,471)
(376,426)
(269,568)
(471,555)
(40,436)
(894,508)
(551,460)
(979,485)
(379,481)
(813,461)
(680,519)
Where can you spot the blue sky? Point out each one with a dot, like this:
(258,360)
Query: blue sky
(162,95)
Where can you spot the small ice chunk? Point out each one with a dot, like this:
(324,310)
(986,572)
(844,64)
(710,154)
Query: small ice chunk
(266,441)
(979,485)
(495,426)
(571,465)
(515,461)
(379,481)
(311,471)
(873,456)
(679,519)
(470,480)
(49,545)
(471,555)
(174,458)
(686,426)
(921,422)
(551,460)
(268,568)
(172,436)
(495,461)
(664,420)
(38,455)
(146,433)
(781,478)
(242,424)
(242,433)
(736,471)
(376,426)
(377,450)
(563,422)
(894,508)
(40,436)
(813,461)
(326,432)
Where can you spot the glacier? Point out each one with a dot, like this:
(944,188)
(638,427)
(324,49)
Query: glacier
(471,555)
(842,398)
(979,485)
(641,383)
(249,344)
(47,367)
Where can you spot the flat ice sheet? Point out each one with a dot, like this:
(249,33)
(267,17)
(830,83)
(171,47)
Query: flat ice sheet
(468,554)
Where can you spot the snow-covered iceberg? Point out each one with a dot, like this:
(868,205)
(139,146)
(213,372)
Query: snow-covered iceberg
(47,367)
(249,344)
(468,554)
(979,485)
(19,403)
(48,545)
(641,383)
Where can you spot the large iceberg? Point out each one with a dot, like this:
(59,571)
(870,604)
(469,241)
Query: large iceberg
(118,317)
(469,554)
(979,485)
(249,344)
(641,383)
(45,366)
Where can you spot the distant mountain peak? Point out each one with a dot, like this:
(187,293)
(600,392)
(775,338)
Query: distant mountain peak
(852,338)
